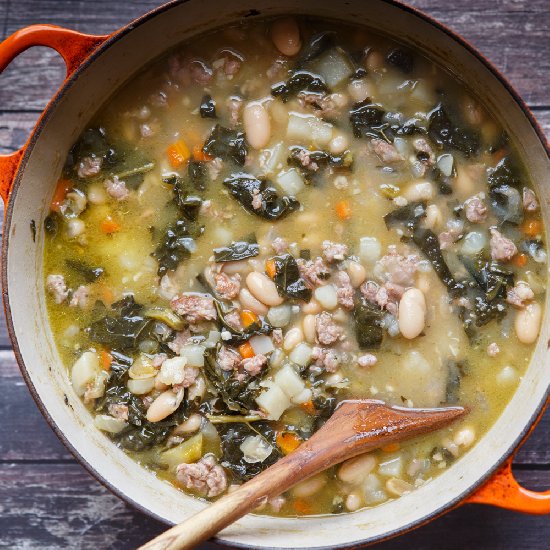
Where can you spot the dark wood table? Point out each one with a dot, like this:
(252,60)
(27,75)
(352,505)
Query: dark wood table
(47,500)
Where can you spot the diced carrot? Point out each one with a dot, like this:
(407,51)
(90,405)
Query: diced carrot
(302,507)
(60,192)
(532,228)
(108,226)
(199,155)
(520,260)
(248,318)
(246,350)
(288,442)
(343,209)
(270,268)
(391,447)
(178,153)
(309,407)
(106,359)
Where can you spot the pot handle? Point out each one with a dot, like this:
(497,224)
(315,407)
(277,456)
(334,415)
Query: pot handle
(73,47)
(502,489)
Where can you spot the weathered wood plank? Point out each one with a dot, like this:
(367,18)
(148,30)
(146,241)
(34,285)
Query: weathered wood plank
(23,423)
(48,505)
(511,33)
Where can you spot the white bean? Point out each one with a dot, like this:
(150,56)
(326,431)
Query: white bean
(257,125)
(465,436)
(527,323)
(309,486)
(357,274)
(192,424)
(434,217)
(412,313)
(308,325)
(353,502)
(356,469)
(263,289)
(249,302)
(312,307)
(421,191)
(285,34)
(164,405)
(96,194)
(327,297)
(293,337)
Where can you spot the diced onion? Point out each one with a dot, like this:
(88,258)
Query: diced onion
(369,249)
(326,296)
(107,423)
(291,181)
(261,344)
(279,316)
(473,242)
(445,164)
(303,397)
(271,160)
(194,355)
(141,387)
(255,449)
(392,467)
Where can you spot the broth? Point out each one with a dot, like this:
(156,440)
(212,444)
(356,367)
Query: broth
(273,218)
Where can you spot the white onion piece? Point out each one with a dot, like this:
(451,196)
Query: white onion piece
(370,249)
(273,402)
(445,164)
(141,387)
(308,128)
(255,449)
(334,66)
(392,467)
(279,316)
(261,344)
(473,242)
(194,355)
(272,159)
(326,296)
(290,181)
(107,423)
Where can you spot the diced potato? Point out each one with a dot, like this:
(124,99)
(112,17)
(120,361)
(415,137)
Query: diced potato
(194,355)
(334,66)
(189,451)
(291,181)
(274,402)
(288,380)
(307,129)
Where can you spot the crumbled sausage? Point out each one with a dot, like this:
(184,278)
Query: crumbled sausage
(398,269)
(232,66)
(344,290)
(519,294)
(279,245)
(56,286)
(228,359)
(159,358)
(227,287)
(206,476)
(328,332)
(176,372)
(367,360)
(475,209)
(256,199)
(492,349)
(384,296)
(306,161)
(325,359)
(181,339)
(116,188)
(385,151)
(80,297)
(234,106)
(277,337)
(333,251)
(501,247)
(530,202)
(254,365)
(118,410)
(214,168)
(194,307)
(313,272)
(89,166)
(326,106)
(233,319)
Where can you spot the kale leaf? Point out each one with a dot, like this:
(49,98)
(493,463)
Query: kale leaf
(237,250)
(402,59)
(407,216)
(318,158)
(368,324)
(243,187)
(506,172)
(287,278)
(196,171)
(447,132)
(226,144)
(87,272)
(504,182)
(455,371)
(237,336)
(208,107)
(367,120)
(300,81)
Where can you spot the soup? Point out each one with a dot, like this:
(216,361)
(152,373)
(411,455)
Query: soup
(277,217)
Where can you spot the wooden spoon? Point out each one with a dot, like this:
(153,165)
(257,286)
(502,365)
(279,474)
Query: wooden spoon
(354,428)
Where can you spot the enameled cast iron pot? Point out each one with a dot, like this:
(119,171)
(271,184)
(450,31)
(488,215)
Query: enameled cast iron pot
(98,65)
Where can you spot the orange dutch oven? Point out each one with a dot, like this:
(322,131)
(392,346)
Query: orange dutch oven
(96,66)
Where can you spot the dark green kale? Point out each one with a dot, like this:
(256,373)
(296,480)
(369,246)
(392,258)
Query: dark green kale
(208,107)
(367,120)
(506,172)
(188,203)
(452,134)
(402,59)
(232,436)
(237,250)
(87,272)
(300,81)
(455,371)
(287,278)
(226,144)
(176,245)
(51,224)
(319,44)
(244,187)
(368,324)
(406,217)
(237,336)
(505,198)
(196,172)
(122,328)
(318,158)
(239,395)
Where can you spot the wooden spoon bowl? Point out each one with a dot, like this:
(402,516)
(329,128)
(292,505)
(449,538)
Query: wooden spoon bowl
(355,427)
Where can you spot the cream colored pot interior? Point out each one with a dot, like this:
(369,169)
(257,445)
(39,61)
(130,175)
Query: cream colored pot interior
(26,297)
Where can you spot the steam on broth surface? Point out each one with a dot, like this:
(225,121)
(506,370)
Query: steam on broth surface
(273,218)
